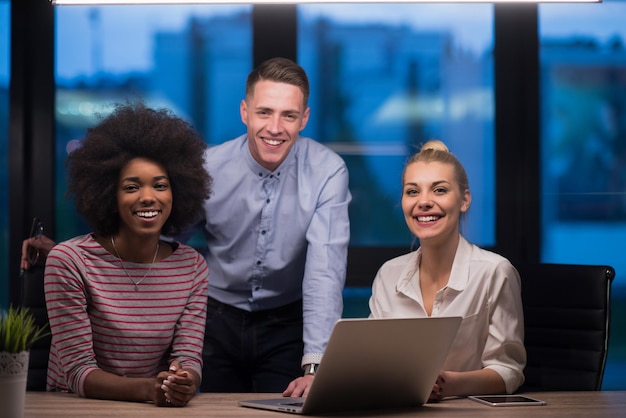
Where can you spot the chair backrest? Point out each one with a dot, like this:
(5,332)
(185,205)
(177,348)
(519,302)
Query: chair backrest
(567,317)
(33,298)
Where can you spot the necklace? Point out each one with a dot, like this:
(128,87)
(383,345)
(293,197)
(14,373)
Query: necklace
(124,268)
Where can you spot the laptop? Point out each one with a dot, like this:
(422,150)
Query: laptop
(374,363)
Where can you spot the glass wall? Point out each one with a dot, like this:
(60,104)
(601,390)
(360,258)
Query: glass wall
(583,148)
(386,78)
(191,59)
(5,55)
(382,83)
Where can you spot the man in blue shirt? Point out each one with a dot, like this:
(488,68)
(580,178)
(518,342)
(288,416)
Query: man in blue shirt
(277,234)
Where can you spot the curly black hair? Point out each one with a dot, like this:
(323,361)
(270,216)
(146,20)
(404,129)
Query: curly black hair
(134,130)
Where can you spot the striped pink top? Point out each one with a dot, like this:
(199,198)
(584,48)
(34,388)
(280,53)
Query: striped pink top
(99,321)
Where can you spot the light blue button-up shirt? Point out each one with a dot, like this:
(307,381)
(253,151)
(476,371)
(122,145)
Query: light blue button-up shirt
(275,237)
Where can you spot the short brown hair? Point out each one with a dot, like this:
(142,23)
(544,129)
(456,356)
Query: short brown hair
(280,70)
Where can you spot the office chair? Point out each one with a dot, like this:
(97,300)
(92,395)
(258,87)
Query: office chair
(33,298)
(567,317)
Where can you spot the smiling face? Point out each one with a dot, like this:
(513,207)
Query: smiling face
(275,114)
(144,197)
(432,201)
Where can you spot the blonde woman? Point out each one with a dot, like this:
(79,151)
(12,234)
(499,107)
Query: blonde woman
(448,276)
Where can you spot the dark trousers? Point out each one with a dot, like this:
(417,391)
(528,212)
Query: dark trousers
(251,351)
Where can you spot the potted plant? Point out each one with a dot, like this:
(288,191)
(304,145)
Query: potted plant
(18,332)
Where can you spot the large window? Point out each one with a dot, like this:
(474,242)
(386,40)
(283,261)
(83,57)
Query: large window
(382,83)
(190,59)
(386,78)
(4,150)
(583,147)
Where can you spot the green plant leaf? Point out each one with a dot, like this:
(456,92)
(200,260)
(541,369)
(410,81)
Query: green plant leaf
(18,330)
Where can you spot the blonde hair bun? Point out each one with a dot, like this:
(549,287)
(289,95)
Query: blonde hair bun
(436,145)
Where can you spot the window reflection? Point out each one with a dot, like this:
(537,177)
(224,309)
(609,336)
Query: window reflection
(583,148)
(386,78)
(583,96)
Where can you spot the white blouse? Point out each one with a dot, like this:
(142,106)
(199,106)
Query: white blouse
(484,288)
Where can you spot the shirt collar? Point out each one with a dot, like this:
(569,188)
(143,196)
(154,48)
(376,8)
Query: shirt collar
(262,172)
(459,275)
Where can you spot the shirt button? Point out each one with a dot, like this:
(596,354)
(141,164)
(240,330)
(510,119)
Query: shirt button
(262,232)
(258,263)
(267,201)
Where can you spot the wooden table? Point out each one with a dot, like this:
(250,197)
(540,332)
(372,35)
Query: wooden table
(215,405)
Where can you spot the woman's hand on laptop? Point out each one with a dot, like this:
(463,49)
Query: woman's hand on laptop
(437,393)
(299,387)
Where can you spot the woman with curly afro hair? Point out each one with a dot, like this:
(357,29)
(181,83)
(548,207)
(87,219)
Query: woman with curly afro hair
(127,308)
